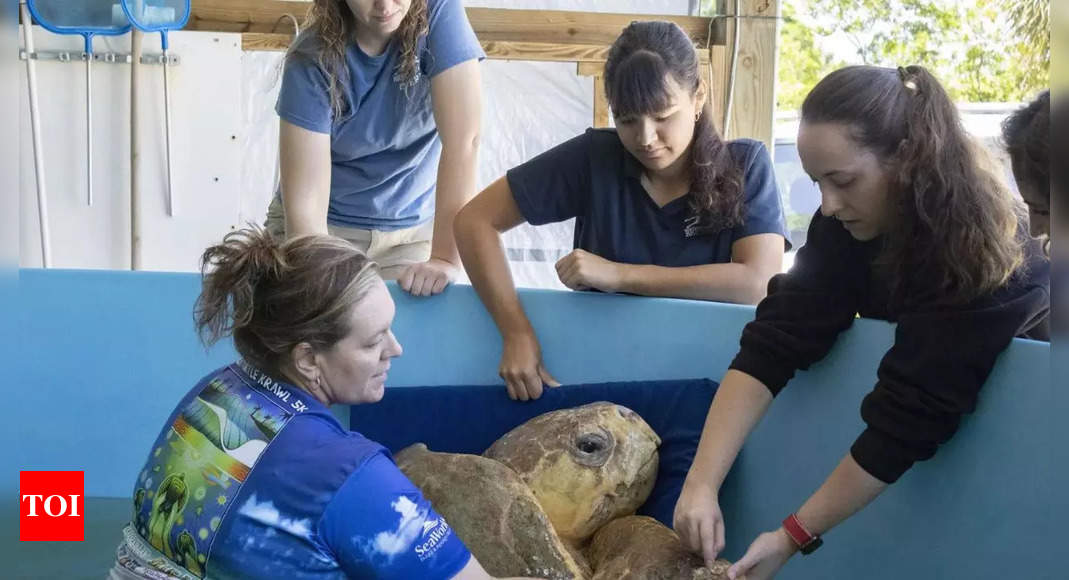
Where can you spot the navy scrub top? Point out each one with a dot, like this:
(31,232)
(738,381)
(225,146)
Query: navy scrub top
(594,179)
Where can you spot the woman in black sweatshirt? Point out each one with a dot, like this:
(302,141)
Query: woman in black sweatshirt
(915,228)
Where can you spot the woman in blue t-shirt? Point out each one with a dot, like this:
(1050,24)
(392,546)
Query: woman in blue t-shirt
(662,205)
(251,476)
(380,106)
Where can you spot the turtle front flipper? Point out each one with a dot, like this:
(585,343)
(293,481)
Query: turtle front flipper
(493,512)
(642,548)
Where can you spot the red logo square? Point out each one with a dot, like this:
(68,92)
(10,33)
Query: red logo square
(51,506)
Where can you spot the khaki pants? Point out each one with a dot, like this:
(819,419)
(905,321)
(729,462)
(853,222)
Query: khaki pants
(393,251)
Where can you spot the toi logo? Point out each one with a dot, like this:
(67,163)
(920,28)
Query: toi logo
(50,506)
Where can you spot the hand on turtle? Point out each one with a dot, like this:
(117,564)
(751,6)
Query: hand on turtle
(427,278)
(522,369)
(582,270)
(767,554)
(698,520)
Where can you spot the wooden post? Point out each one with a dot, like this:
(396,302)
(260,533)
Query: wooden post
(754,102)
(601,104)
(710,95)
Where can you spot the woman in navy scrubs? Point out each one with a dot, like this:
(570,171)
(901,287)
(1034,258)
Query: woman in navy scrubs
(663,206)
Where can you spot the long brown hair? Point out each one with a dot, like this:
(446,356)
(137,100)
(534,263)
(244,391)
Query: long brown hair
(638,66)
(955,233)
(331,28)
(272,295)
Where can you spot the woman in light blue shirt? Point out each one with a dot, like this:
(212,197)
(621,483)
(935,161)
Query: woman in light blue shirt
(380,109)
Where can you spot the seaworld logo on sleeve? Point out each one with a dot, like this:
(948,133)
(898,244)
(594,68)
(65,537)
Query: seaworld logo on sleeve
(434,531)
(50,506)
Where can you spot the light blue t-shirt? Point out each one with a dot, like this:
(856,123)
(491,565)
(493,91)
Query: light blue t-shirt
(385,146)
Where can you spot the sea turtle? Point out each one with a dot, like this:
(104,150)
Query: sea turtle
(586,465)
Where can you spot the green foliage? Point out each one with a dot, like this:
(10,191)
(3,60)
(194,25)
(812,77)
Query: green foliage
(982,50)
(800,61)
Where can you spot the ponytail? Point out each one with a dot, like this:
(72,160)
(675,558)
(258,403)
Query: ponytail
(716,179)
(230,273)
(964,220)
(953,236)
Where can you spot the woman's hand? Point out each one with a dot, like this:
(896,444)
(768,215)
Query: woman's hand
(698,520)
(767,554)
(581,270)
(428,278)
(522,369)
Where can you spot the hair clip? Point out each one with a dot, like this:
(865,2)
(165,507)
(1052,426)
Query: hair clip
(907,79)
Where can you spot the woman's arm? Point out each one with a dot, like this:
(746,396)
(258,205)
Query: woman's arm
(795,326)
(304,158)
(456,94)
(754,260)
(478,228)
(849,489)
(457,98)
(739,404)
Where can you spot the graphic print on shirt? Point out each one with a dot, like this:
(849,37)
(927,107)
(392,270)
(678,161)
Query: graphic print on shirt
(198,464)
(417,530)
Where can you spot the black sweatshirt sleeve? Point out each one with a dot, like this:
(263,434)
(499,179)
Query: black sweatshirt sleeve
(806,308)
(933,373)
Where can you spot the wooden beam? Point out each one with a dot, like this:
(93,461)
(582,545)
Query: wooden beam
(258,39)
(590,69)
(490,24)
(265,41)
(565,27)
(507,50)
(497,50)
(283,28)
(244,12)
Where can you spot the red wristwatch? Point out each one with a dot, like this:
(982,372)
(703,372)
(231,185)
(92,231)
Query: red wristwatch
(807,542)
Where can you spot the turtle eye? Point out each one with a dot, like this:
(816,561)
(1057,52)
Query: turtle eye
(590,444)
(593,448)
